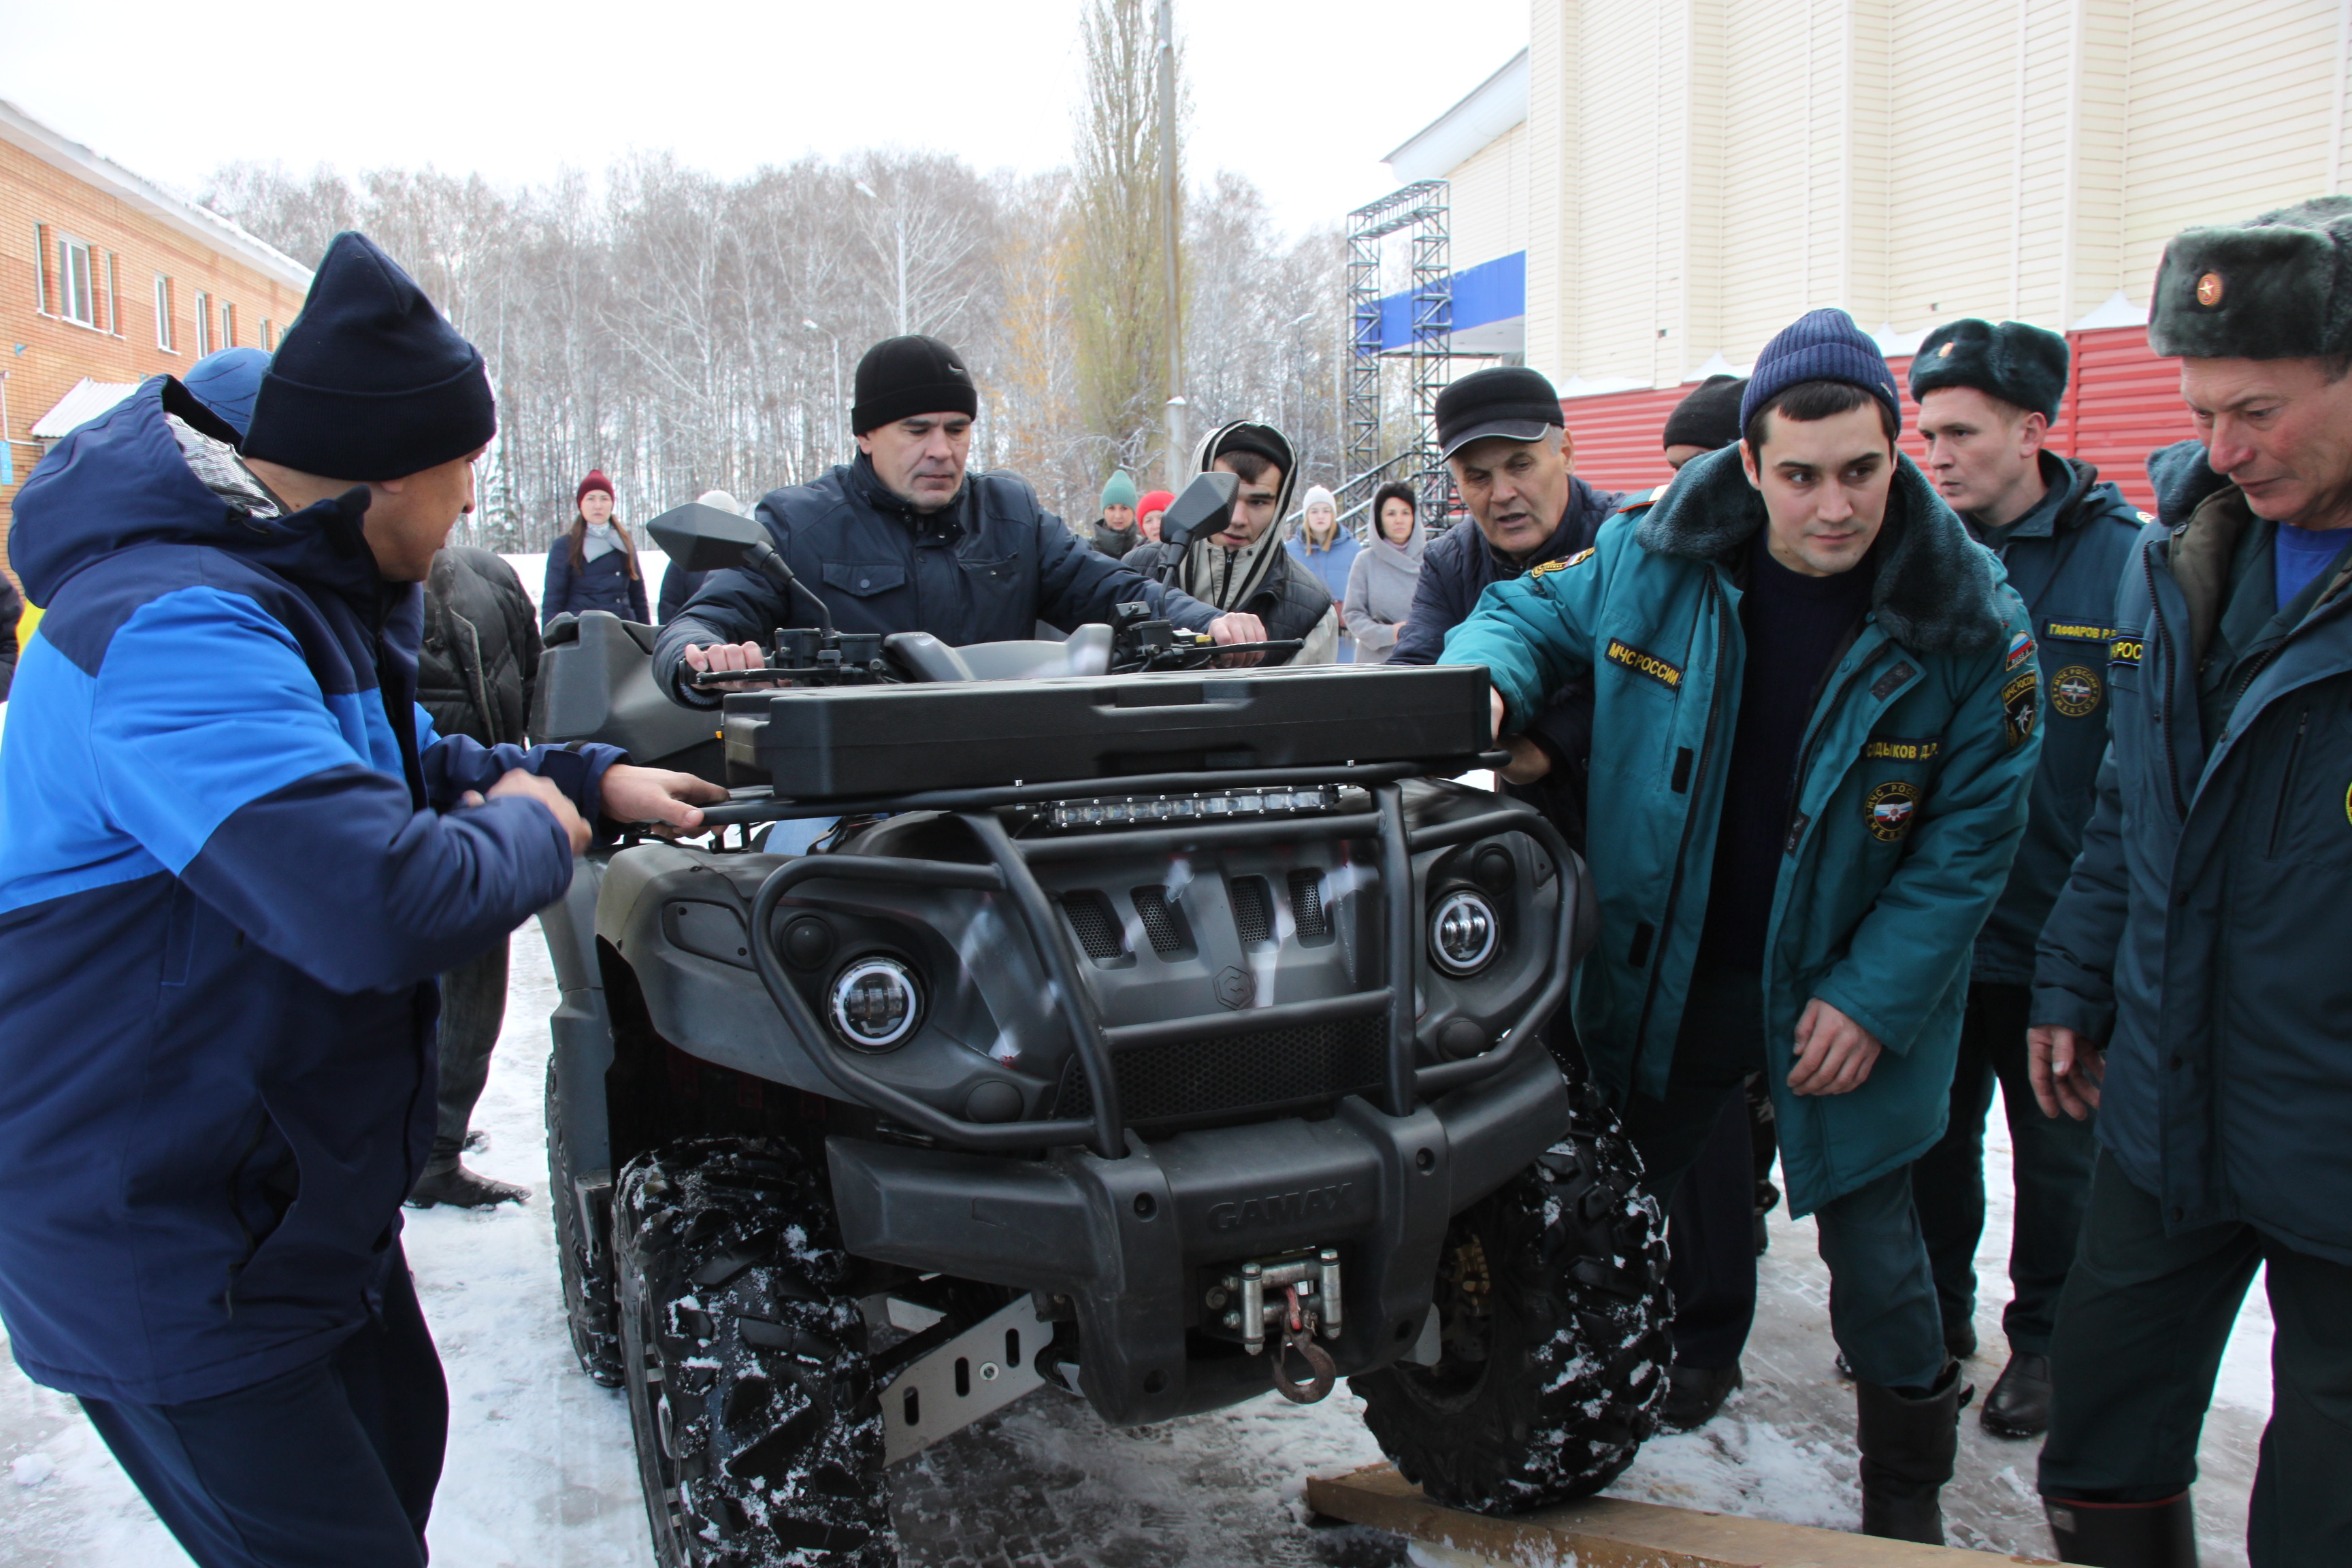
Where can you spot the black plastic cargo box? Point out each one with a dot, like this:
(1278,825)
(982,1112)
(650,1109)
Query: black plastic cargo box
(868,741)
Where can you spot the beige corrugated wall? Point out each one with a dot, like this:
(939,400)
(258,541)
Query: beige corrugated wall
(1698,173)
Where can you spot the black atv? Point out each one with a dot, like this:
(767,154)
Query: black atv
(1161,1034)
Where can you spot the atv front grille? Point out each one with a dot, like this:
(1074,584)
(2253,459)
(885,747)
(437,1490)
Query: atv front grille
(1238,1077)
(1253,910)
(1162,923)
(1306,907)
(1090,917)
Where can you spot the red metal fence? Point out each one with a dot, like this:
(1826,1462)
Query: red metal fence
(2124,404)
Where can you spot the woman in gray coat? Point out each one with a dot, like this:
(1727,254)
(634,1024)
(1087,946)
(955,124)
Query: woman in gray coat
(1381,581)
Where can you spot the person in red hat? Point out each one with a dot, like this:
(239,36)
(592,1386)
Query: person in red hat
(1148,511)
(593,566)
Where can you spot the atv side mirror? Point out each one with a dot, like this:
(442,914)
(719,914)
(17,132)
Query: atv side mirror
(707,539)
(1205,506)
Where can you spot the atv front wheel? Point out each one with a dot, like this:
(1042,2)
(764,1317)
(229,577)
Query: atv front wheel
(758,1433)
(1553,1322)
(585,1276)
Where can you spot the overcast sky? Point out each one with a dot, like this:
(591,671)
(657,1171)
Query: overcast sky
(1303,96)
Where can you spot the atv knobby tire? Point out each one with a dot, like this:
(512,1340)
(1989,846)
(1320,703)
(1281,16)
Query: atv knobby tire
(1553,1309)
(759,1436)
(585,1274)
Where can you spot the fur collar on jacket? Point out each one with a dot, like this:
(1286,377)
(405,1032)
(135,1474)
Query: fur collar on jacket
(1936,590)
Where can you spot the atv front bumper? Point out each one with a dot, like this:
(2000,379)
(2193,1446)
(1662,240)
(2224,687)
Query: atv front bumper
(1127,1241)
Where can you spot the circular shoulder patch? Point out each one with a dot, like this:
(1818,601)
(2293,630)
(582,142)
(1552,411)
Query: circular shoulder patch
(2075,691)
(2209,289)
(1889,808)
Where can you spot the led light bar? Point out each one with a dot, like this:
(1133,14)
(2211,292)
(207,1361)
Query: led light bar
(1207,805)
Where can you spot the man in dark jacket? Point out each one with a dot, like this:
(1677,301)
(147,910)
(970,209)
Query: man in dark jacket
(904,540)
(230,867)
(2191,984)
(12,610)
(677,583)
(1813,730)
(1244,566)
(474,677)
(1988,396)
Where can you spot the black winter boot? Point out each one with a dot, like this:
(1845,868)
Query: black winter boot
(447,1181)
(1908,1443)
(2125,1534)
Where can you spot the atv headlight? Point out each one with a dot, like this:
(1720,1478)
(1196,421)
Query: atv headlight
(875,1004)
(1464,932)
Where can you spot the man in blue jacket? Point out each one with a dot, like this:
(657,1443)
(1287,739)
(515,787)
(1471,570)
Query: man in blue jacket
(1814,724)
(2192,983)
(904,540)
(1988,396)
(230,866)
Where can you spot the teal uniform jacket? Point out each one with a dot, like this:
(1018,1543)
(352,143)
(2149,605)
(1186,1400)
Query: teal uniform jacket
(1909,804)
(2203,935)
(2065,560)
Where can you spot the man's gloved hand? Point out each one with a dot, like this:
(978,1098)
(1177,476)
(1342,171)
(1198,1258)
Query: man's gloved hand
(521,782)
(657,794)
(744,656)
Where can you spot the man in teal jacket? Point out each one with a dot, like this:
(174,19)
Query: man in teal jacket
(1988,396)
(2197,954)
(1814,723)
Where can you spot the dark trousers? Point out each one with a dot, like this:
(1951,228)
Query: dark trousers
(330,1466)
(1881,1294)
(2052,1165)
(2141,1328)
(1711,1246)
(472,1009)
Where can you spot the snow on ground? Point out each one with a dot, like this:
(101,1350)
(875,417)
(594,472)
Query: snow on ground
(540,1472)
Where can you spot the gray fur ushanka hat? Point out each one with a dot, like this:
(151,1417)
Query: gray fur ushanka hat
(2277,288)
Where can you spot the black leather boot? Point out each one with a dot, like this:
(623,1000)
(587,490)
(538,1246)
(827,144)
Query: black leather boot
(1694,1393)
(1908,1443)
(2018,1404)
(2125,1534)
(449,1181)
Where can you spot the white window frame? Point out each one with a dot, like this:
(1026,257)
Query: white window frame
(227,325)
(164,315)
(70,251)
(204,344)
(113,297)
(266,346)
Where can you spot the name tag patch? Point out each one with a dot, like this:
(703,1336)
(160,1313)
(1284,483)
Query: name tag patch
(1890,808)
(1666,675)
(2018,704)
(1893,751)
(2075,691)
(2124,650)
(2074,631)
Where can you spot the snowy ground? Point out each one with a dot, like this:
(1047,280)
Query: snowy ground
(539,1474)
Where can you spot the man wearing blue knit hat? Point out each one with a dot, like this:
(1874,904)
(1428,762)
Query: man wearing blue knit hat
(231,863)
(1815,714)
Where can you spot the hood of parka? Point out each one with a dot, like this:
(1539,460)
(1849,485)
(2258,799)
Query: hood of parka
(1937,590)
(125,480)
(1206,573)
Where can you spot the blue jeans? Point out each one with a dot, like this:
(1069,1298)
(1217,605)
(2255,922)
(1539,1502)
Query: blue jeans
(1882,1293)
(332,1465)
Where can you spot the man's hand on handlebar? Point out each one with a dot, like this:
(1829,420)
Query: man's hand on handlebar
(1238,628)
(727,655)
(657,796)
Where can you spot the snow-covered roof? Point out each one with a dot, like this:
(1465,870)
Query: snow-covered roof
(86,402)
(1493,107)
(203,225)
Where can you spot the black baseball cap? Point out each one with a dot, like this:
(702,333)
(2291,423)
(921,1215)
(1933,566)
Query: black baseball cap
(1510,401)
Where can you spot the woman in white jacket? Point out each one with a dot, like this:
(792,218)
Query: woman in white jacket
(1380,583)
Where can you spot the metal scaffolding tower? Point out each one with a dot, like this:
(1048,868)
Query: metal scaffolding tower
(1422,208)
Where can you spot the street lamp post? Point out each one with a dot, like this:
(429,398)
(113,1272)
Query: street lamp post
(1175,322)
(898,214)
(839,421)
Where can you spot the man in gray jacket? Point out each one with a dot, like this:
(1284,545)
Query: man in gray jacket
(2191,983)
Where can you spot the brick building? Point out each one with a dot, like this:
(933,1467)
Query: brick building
(106,278)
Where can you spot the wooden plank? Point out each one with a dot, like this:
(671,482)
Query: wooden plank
(1611,1533)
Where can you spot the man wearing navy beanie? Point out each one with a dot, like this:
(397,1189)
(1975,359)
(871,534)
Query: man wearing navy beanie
(1814,723)
(1988,396)
(231,863)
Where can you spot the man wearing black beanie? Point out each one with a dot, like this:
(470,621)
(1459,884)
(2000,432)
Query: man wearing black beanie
(231,863)
(903,539)
(1704,421)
